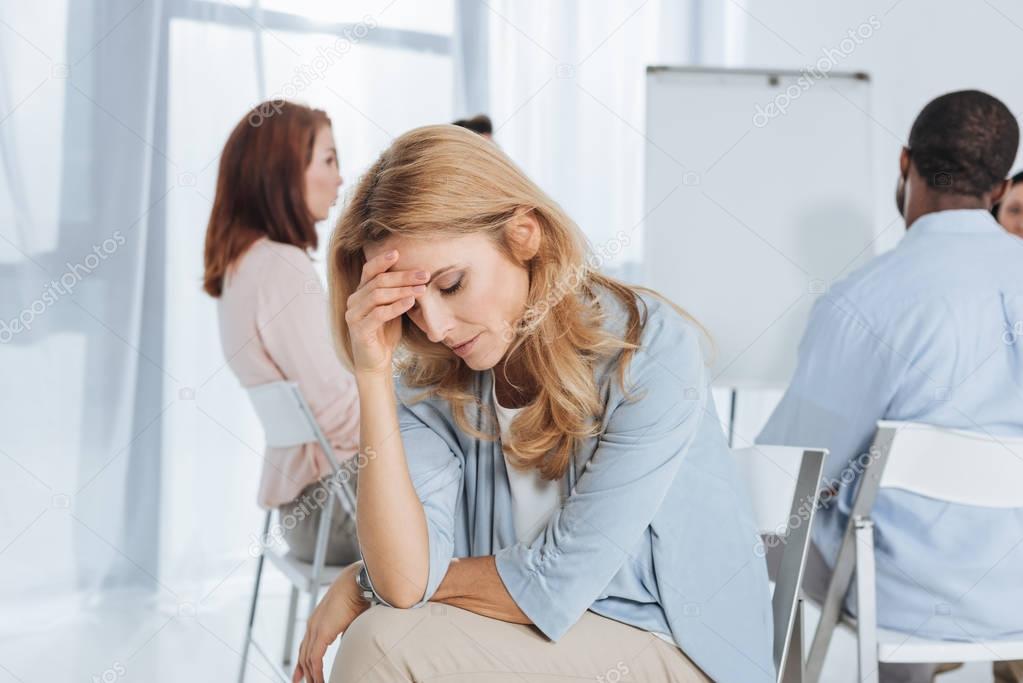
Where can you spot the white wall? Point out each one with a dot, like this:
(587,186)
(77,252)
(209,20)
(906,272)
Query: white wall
(919,50)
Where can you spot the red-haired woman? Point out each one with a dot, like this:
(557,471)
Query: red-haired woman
(279,176)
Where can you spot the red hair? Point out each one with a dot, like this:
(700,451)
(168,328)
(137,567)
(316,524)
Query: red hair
(261,186)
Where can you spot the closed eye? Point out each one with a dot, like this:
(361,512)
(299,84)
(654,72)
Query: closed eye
(445,292)
(452,289)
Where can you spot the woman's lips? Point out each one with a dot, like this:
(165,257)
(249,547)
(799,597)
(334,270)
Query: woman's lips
(465,348)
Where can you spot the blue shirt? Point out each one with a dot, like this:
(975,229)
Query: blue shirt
(657,531)
(928,332)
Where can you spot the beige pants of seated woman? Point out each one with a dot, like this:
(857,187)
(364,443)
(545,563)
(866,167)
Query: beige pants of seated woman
(439,642)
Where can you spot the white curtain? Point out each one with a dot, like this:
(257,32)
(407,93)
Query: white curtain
(129,457)
(567,97)
(364,64)
(128,454)
(80,361)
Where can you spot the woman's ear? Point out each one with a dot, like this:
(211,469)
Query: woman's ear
(524,235)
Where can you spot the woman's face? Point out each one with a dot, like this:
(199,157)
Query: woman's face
(322,177)
(475,292)
(1010,211)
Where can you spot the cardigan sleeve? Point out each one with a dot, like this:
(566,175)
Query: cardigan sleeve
(437,476)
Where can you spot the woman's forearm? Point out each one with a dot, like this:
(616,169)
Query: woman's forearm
(391,522)
(473,584)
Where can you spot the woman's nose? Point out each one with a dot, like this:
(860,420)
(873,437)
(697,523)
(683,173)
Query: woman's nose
(436,322)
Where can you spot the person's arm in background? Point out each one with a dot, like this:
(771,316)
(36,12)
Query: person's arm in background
(847,375)
(294,328)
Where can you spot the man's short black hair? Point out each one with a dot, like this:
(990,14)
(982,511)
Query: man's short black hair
(964,142)
(478,124)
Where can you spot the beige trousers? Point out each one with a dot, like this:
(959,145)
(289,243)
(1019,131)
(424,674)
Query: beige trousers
(438,642)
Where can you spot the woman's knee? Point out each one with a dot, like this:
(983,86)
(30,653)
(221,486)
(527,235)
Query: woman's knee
(366,643)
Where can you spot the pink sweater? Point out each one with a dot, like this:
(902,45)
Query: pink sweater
(274,325)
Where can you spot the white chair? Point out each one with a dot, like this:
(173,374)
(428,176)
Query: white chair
(288,421)
(944,464)
(783,483)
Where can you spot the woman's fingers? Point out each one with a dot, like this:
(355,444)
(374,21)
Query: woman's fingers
(303,659)
(363,297)
(377,265)
(318,653)
(382,314)
(368,326)
(373,298)
(307,676)
(313,661)
(399,278)
(299,676)
(380,297)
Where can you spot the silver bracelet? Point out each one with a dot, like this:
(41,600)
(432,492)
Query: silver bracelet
(365,589)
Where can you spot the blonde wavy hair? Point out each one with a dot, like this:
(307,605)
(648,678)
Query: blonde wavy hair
(445,181)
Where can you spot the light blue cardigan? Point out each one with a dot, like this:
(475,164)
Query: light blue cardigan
(657,531)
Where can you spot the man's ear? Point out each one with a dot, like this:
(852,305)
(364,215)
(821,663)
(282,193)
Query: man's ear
(998,194)
(904,162)
(524,234)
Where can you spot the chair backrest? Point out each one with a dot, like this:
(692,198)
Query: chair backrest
(783,482)
(283,413)
(288,421)
(953,465)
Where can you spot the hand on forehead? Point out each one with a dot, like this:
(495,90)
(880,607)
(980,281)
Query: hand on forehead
(430,254)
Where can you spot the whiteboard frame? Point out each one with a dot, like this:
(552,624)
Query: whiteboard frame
(768,74)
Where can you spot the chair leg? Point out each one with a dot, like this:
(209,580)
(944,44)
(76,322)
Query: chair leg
(866,602)
(289,634)
(252,607)
(793,670)
(831,607)
(320,555)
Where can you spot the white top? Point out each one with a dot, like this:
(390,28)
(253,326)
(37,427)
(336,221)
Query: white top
(534,499)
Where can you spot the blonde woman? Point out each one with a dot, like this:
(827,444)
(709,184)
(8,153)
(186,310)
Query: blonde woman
(541,459)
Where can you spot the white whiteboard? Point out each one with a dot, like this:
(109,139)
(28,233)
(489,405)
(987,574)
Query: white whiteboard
(749,220)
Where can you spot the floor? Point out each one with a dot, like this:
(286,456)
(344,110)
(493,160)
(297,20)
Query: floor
(131,637)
